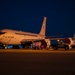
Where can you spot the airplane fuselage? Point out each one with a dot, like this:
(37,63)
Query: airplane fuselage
(15,39)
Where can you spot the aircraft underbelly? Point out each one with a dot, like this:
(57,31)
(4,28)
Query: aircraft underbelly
(5,41)
(14,42)
(11,41)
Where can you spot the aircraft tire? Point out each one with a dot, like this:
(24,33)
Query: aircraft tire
(56,48)
(66,48)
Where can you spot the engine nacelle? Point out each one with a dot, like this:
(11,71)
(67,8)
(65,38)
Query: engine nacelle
(41,44)
(36,45)
(70,41)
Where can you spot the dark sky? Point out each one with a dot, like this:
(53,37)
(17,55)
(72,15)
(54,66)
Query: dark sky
(28,16)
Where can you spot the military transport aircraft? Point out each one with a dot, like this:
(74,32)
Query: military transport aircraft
(15,37)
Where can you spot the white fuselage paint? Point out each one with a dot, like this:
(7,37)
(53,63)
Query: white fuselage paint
(15,39)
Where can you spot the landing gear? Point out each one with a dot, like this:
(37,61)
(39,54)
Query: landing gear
(5,46)
(66,48)
(55,48)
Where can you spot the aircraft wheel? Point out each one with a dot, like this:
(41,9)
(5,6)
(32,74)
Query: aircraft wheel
(56,48)
(66,48)
(6,47)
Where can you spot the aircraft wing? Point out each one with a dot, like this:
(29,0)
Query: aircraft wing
(57,37)
(36,40)
(30,40)
(54,36)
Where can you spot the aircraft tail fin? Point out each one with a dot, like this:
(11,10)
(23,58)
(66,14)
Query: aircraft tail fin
(43,28)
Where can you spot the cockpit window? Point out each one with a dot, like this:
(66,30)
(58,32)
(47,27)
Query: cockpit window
(2,33)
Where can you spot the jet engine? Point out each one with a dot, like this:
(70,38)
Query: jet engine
(70,41)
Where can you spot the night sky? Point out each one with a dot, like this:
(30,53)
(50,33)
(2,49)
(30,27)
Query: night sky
(28,16)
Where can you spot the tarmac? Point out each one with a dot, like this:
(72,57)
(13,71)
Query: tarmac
(37,62)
